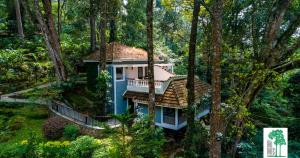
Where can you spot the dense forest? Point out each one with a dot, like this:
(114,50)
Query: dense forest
(248,51)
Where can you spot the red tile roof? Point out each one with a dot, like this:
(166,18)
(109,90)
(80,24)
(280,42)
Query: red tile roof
(175,95)
(120,52)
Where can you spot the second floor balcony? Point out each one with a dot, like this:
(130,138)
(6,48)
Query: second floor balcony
(142,86)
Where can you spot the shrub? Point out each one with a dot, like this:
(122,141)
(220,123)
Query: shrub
(71,132)
(53,149)
(5,136)
(147,142)
(36,112)
(53,128)
(15,123)
(14,150)
(2,122)
(83,146)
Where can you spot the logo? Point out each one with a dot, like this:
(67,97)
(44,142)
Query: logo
(275,142)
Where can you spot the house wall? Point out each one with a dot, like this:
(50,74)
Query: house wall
(119,90)
(111,107)
(143,108)
(131,72)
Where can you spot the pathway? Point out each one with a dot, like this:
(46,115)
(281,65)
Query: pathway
(58,108)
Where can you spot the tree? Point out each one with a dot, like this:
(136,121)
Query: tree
(191,78)
(102,29)
(151,104)
(272,56)
(215,121)
(92,25)
(19,19)
(47,28)
(279,139)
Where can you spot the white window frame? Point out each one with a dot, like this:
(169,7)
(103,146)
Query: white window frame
(123,74)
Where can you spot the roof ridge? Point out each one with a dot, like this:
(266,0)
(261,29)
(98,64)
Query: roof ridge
(176,94)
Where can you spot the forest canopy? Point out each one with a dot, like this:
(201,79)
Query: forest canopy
(247,50)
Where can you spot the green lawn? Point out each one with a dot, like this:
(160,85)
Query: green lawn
(18,122)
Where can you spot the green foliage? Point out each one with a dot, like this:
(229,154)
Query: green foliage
(52,149)
(15,123)
(71,132)
(246,150)
(102,99)
(147,142)
(199,144)
(83,146)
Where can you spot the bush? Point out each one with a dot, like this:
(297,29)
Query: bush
(71,132)
(147,142)
(53,128)
(15,123)
(83,146)
(5,136)
(53,149)
(2,122)
(14,150)
(36,112)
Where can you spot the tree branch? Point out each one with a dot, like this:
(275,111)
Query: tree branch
(291,50)
(206,6)
(286,66)
(284,38)
(275,20)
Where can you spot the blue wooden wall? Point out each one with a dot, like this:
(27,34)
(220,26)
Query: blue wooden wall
(144,109)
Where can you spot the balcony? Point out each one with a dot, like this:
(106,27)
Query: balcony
(142,86)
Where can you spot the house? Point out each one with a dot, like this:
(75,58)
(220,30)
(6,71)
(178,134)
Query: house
(129,90)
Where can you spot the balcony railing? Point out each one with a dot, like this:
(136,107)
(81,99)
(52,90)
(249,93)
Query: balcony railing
(142,85)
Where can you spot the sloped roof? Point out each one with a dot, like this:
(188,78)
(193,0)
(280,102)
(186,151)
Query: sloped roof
(120,52)
(161,74)
(175,95)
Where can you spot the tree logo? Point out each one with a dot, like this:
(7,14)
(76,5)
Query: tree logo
(275,142)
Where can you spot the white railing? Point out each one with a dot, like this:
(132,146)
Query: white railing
(142,85)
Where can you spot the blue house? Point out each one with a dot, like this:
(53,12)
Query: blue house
(129,90)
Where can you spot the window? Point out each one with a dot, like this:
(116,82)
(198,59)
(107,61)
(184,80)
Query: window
(119,71)
(169,116)
(140,72)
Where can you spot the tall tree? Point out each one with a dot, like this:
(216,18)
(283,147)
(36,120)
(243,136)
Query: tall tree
(102,29)
(19,19)
(151,104)
(215,124)
(47,27)
(191,78)
(58,17)
(92,25)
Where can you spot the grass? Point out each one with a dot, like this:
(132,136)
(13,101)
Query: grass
(32,117)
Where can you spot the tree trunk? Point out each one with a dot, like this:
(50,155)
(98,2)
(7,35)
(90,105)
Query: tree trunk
(102,29)
(93,26)
(191,77)
(151,106)
(58,17)
(28,12)
(215,124)
(112,30)
(19,19)
(50,37)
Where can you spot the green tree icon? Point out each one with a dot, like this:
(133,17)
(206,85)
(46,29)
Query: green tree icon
(279,139)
